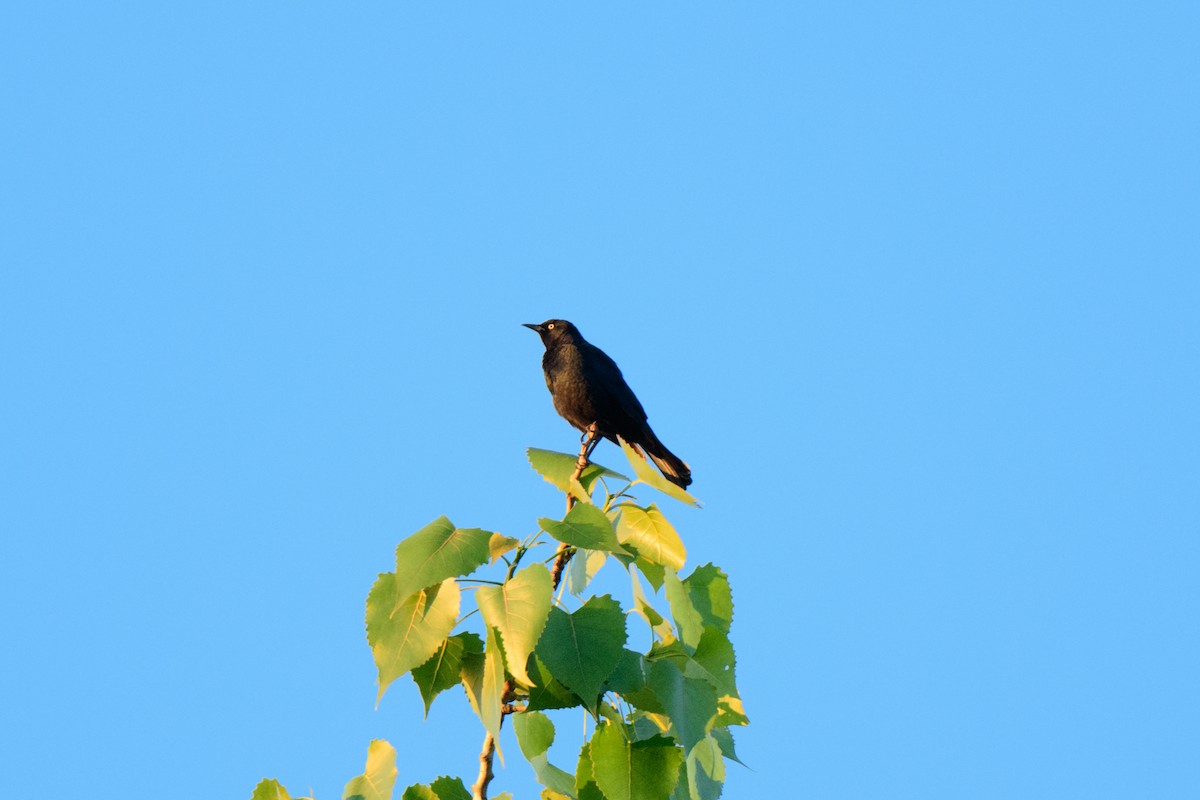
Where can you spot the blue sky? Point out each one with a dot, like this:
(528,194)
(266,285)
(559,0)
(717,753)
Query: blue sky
(912,288)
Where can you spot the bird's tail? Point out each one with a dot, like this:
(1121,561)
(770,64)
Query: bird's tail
(670,465)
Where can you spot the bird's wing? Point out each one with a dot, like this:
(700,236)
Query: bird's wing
(605,373)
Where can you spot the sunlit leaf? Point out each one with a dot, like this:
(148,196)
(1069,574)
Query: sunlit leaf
(518,611)
(641,606)
(499,544)
(557,469)
(436,552)
(582,568)
(377,780)
(535,734)
(647,474)
(492,691)
(706,770)
(404,632)
(270,789)
(585,527)
(472,670)
(649,533)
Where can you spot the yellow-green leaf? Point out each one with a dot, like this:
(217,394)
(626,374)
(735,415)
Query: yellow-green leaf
(650,476)
(518,611)
(436,552)
(647,531)
(404,632)
(380,776)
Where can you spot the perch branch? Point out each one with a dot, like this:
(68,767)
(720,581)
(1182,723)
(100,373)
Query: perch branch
(586,446)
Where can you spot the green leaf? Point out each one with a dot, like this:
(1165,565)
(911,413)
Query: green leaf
(404,632)
(715,661)
(436,552)
(653,572)
(443,670)
(724,740)
(547,692)
(650,476)
(380,776)
(518,610)
(547,794)
(472,670)
(585,779)
(492,692)
(633,686)
(581,649)
(447,788)
(583,568)
(649,533)
(661,627)
(708,587)
(499,544)
(270,789)
(557,469)
(444,788)
(629,674)
(535,734)
(585,527)
(706,770)
(690,703)
(625,770)
(687,617)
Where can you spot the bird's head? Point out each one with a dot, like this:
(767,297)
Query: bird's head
(554,331)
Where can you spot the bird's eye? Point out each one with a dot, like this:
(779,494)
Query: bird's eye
(550,327)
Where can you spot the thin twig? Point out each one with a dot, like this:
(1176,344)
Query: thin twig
(565,551)
(488,752)
(562,556)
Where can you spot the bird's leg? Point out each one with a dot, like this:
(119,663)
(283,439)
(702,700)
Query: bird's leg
(587,443)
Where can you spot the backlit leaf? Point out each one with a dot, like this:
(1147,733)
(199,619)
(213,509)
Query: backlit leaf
(649,475)
(518,611)
(706,770)
(270,789)
(649,533)
(535,734)
(557,469)
(585,527)
(377,780)
(499,544)
(404,632)
(436,552)
(492,691)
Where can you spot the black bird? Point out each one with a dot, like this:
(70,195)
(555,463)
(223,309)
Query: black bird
(587,387)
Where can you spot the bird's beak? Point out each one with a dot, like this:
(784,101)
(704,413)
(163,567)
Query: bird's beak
(537,328)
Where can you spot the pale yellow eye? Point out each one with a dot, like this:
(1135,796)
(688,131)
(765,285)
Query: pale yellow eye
(550,326)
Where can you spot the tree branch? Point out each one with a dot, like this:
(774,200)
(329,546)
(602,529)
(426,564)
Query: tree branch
(488,752)
(565,551)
